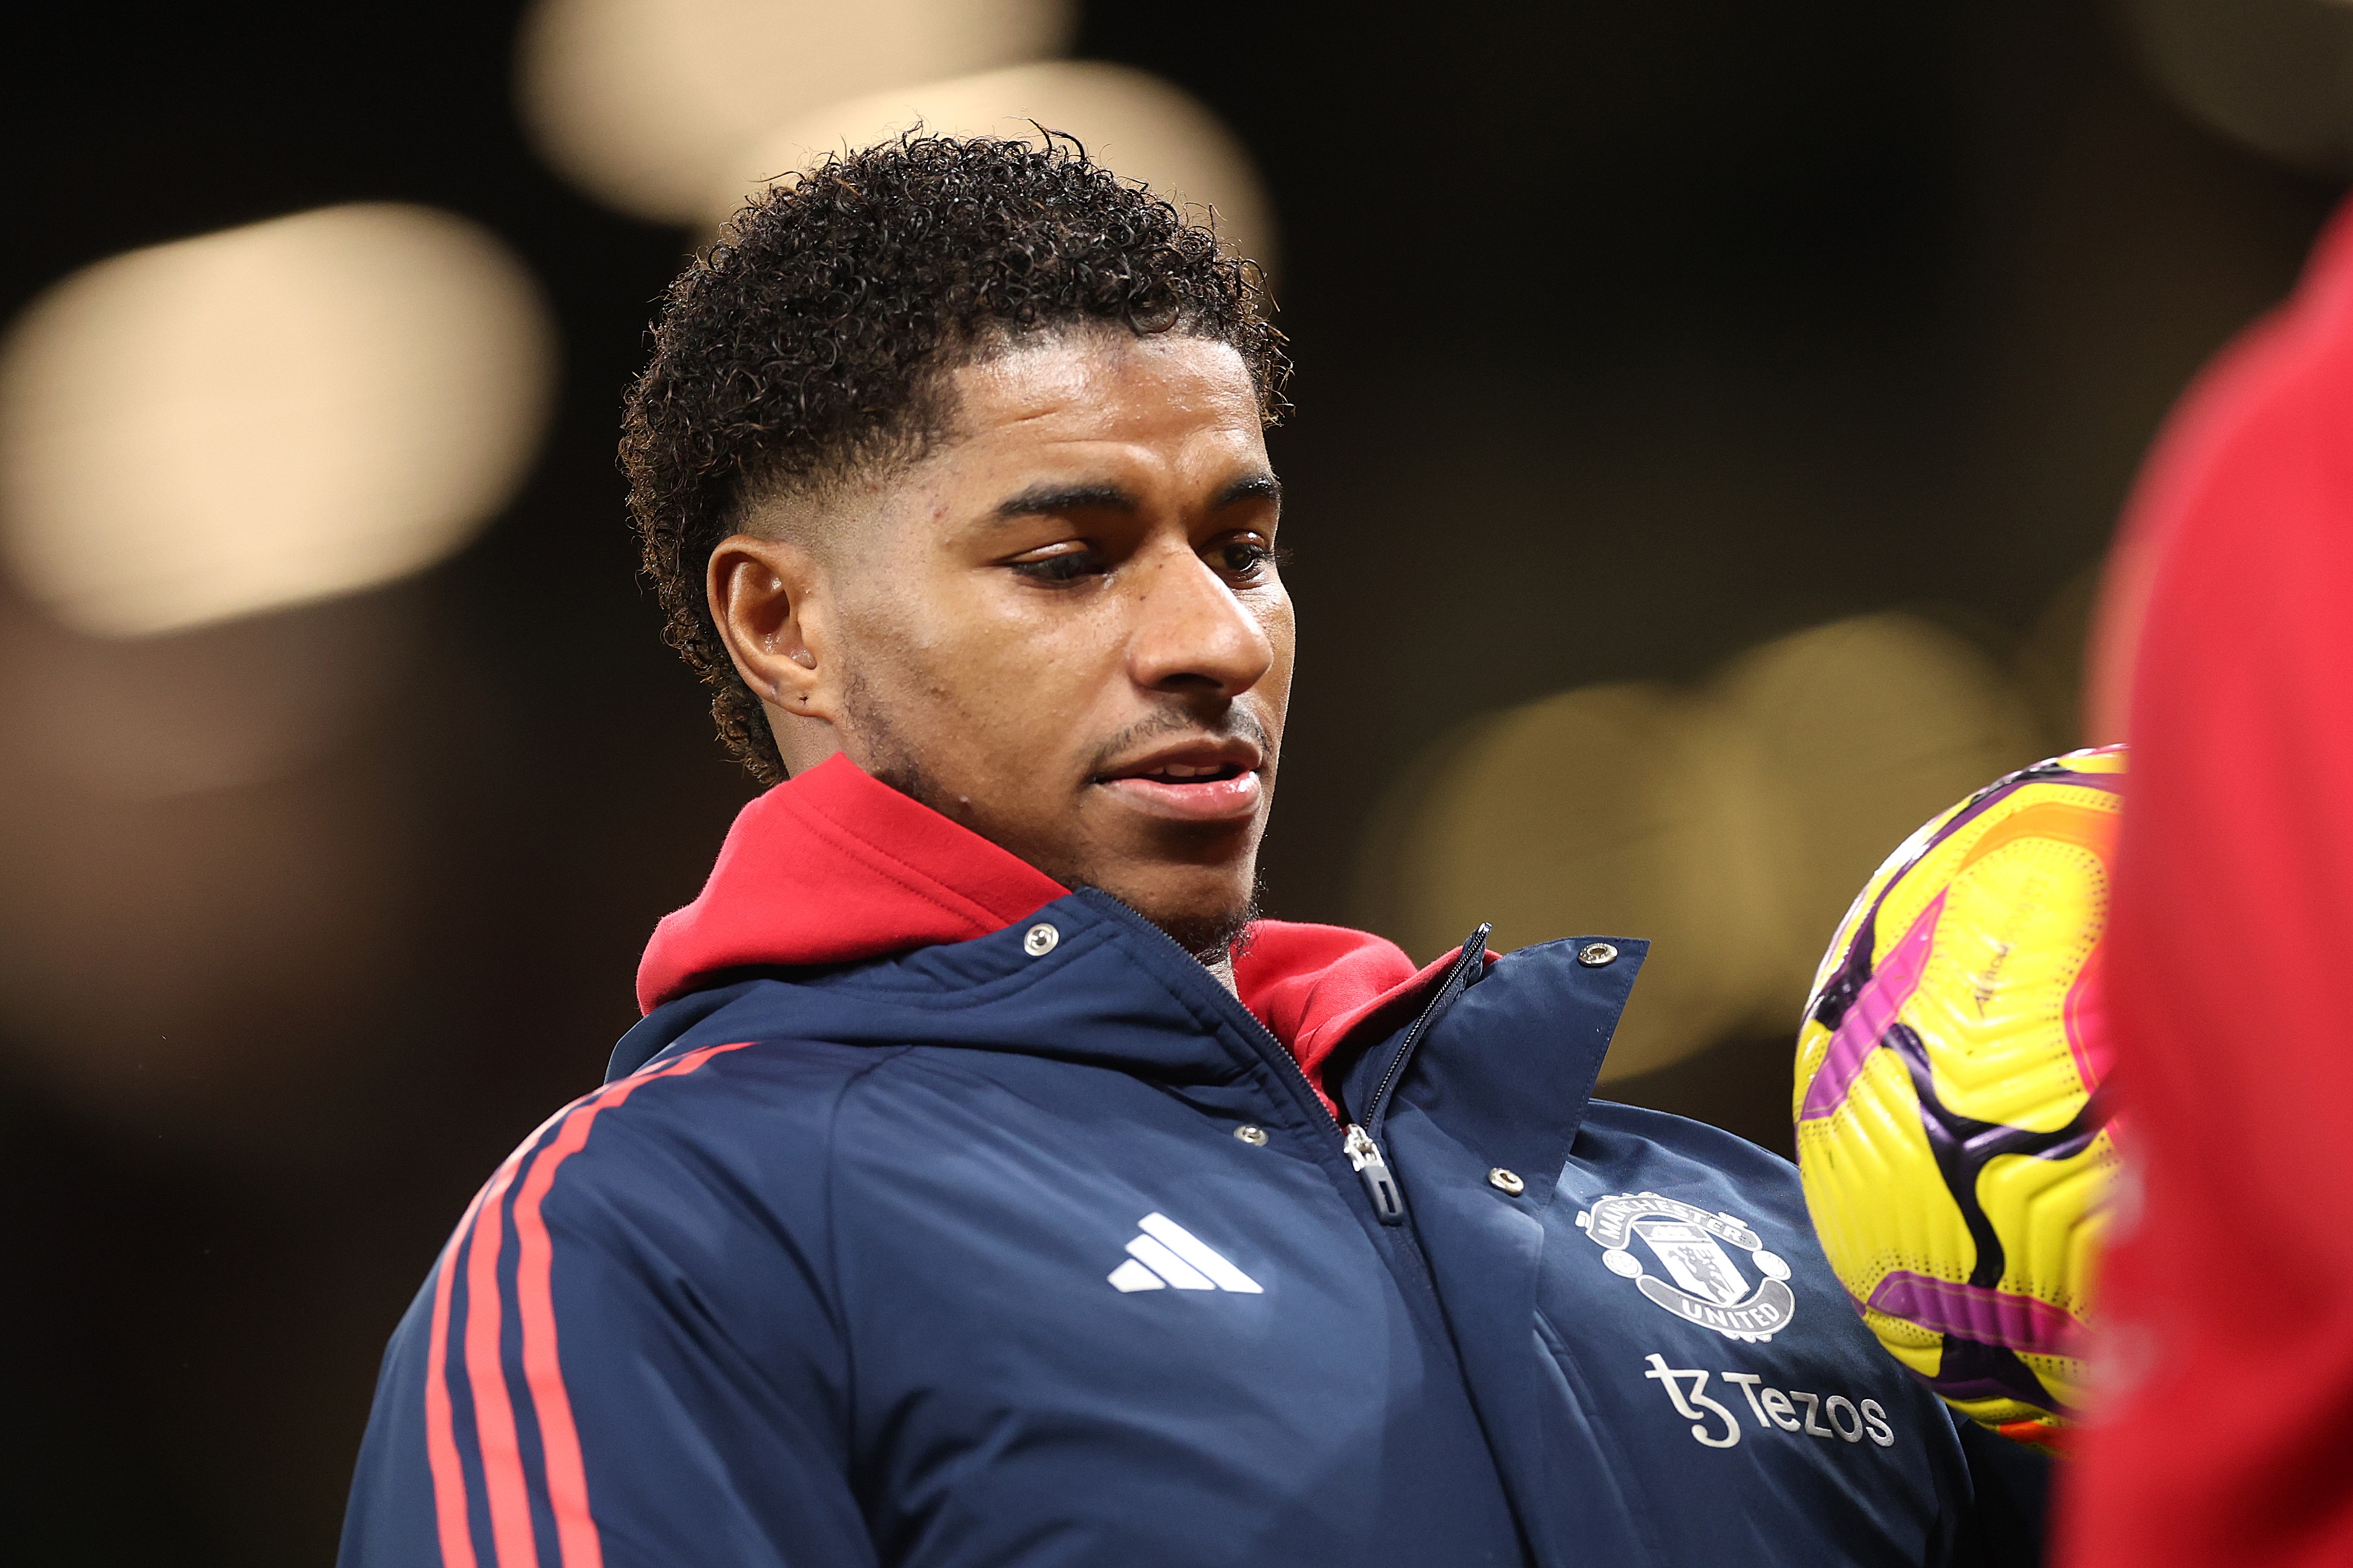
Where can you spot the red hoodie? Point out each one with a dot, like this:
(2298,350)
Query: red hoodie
(2224,1431)
(834,866)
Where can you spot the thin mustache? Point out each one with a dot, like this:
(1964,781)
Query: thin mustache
(1238,723)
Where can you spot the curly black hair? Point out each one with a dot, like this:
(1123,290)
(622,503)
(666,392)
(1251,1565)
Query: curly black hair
(816,334)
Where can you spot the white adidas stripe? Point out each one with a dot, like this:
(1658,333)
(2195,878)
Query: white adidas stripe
(1134,1275)
(1169,1266)
(1167,1253)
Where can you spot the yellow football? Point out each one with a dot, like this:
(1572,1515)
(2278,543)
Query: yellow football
(1951,1134)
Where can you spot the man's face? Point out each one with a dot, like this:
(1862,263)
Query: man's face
(1065,628)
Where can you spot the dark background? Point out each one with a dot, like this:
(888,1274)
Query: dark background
(1628,335)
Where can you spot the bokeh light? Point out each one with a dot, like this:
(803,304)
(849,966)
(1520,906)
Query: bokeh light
(1627,810)
(1128,119)
(1730,826)
(266,416)
(647,104)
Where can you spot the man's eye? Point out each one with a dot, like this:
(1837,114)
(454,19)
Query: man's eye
(1065,566)
(1246,557)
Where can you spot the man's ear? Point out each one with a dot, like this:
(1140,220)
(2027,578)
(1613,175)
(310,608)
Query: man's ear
(768,600)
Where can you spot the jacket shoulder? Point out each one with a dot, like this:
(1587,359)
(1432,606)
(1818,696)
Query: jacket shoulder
(1682,1133)
(643,1284)
(1614,1133)
(752,1109)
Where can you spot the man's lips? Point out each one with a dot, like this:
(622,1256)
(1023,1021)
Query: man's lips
(1196,782)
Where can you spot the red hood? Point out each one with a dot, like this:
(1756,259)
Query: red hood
(836,866)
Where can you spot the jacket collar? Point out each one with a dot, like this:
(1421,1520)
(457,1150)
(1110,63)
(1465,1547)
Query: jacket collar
(834,866)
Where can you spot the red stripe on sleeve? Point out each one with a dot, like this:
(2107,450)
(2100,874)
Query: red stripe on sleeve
(477,1241)
(494,1426)
(441,1438)
(567,1479)
(449,1501)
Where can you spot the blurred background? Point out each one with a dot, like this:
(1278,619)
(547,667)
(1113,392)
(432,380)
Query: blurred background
(1711,421)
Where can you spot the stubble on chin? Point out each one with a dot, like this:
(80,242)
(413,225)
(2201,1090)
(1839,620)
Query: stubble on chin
(1211,938)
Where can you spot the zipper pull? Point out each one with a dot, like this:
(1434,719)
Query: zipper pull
(1380,1182)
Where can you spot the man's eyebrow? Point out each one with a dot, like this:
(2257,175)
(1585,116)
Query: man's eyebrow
(1045,500)
(1257,487)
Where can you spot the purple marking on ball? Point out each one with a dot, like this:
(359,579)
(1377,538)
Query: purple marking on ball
(1975,1312)
(1875,1007)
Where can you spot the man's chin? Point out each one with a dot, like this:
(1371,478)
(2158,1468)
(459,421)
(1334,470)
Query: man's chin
(1203,921)
(1208,938)
(1205,926)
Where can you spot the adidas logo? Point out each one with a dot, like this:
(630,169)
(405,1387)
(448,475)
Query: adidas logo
(1167,1254)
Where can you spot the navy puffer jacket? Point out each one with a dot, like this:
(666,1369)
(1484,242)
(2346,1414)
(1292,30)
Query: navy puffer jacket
(1025,1242)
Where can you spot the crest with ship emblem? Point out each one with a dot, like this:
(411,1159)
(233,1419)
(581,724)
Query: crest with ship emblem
(1702,1284)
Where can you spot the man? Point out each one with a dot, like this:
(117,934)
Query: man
(984,1185)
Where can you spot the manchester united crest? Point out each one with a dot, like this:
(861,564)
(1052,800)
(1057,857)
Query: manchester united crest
(1697,1279)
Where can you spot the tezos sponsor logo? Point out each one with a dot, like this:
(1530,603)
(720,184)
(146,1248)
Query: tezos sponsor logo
(1714,1427)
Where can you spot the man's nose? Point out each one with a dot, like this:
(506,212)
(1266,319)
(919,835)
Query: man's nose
(1189,630)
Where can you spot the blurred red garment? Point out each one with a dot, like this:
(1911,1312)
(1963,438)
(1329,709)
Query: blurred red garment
(2222,1431)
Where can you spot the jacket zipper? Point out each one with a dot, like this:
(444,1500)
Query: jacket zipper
(1364,1155)
(1474,953)
(1364,1151)
(1380,1182)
